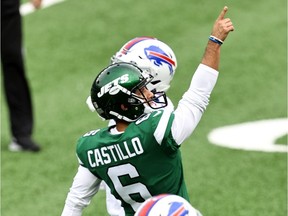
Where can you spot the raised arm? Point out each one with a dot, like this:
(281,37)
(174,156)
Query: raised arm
(195,100)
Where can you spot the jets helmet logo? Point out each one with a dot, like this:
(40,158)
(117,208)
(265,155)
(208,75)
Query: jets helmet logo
(112,87)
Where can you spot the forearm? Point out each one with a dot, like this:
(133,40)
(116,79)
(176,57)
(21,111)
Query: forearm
(211,57)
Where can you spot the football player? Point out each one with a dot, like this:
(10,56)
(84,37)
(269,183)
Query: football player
(158,60)
(140,157)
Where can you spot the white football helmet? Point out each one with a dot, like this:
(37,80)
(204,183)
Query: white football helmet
(167,205)
(152,56)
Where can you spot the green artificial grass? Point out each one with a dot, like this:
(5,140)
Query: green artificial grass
(282,140)
(66,45)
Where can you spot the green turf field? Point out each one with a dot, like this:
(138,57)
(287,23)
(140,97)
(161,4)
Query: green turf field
(66,46)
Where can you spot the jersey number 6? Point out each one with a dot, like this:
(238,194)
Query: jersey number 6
(125,191)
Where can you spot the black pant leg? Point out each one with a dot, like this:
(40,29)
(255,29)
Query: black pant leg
(16,86)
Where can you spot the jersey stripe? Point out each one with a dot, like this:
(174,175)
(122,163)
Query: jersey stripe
(162,125)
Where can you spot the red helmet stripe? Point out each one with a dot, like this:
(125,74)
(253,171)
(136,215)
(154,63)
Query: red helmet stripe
(163,57)
(133,42)
(147,208)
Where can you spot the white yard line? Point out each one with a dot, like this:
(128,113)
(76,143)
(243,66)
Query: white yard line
(252,136)
(28,8)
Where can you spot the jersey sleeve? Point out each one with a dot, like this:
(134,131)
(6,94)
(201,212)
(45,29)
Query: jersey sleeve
(85,186)
(80,152)
(82,146)
(193,103)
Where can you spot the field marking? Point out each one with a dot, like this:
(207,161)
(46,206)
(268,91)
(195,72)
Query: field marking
(28,8)
(252,136)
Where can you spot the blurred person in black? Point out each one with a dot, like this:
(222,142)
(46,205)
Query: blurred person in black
(15,83)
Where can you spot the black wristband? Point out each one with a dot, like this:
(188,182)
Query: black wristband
(215,40)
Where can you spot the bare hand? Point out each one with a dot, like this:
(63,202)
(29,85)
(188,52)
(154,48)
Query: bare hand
(222,25)
(36,3)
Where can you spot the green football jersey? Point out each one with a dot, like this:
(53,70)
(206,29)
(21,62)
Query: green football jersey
(142,162)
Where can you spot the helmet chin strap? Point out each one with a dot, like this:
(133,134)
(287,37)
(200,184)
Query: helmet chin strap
(121,117)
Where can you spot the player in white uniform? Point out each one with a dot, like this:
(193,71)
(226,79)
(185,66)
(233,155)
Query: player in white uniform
(172,127)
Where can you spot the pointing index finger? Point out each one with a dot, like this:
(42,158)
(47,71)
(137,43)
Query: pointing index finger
(222,14)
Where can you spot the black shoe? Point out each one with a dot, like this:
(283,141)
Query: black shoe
(23,144)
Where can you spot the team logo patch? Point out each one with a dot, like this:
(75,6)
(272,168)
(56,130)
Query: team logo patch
(159,57)
(112,87)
